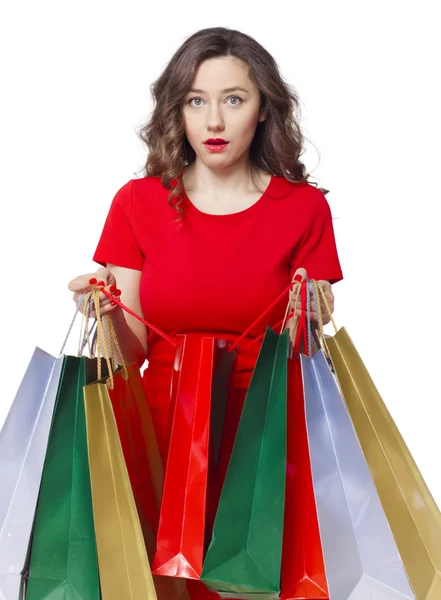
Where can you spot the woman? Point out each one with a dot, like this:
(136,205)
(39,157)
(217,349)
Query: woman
(222,218)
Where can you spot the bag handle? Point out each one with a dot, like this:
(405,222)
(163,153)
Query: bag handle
(318,294)
(297,279)
(85,333)
(161,333)
(306,326)
(173,342)
(69,331)
(309,287)
(302,326)
(83,336)
(102,347)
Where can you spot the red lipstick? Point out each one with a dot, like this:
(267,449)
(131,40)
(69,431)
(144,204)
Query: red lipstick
(215,144)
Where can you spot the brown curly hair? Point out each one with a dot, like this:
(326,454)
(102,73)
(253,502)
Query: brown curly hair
(278,141)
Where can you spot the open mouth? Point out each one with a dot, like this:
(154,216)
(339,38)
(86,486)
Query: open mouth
(215,142)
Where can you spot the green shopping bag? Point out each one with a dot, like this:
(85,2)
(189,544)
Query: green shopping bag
(244,556)
(63,558)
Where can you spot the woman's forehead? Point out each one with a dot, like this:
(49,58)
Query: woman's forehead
(216,75)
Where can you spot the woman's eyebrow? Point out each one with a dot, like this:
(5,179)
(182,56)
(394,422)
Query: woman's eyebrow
(230,89)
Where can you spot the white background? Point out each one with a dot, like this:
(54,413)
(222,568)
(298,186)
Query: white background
(75,87)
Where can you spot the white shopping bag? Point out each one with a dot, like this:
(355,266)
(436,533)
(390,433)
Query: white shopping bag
(361,558)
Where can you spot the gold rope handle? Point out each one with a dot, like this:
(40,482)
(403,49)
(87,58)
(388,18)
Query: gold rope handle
(319,328)
(109,354)
(101,340)
(85,330)
(112,334)
(319,306)
(114,338)
(295,319)
(319,293)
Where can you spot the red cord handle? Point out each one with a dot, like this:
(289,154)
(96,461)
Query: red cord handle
(233,346)
(265,312)
(130,311)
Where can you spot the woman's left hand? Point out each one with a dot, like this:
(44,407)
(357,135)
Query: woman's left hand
(327,288)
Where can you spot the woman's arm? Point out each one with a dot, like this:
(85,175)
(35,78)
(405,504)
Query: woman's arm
(131,333)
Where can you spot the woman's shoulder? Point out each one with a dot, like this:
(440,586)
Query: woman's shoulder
(148,187)
(304,194)
(302,187)
(138,191)
(148,182)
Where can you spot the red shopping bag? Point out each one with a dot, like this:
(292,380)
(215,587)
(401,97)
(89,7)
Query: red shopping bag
(181,531)
(303,570)
(139,446)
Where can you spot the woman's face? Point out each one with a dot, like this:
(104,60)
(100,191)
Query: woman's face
(215,107)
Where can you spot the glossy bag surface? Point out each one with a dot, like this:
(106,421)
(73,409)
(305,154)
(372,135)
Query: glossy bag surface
(63,558)
(181,531)
(412,513)
(361,557)
(244,556)
(122,556)
(23,443)
(303,569)
(144,466)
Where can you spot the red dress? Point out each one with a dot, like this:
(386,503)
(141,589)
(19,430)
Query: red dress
(214,273)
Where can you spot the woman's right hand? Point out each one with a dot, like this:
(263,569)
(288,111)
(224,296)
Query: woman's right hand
(101,278)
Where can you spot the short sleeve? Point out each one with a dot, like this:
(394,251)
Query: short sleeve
(317,250)
(118,244)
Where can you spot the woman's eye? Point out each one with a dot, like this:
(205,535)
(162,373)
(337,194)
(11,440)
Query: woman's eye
(191,100)
(229,98)
(236,103)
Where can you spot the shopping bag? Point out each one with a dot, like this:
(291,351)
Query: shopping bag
(244,556)
(122,557)
(143,461)
(63,559)
(23,446)
(412,513)
(224,368)
(303,569)
(181,531)
(361,557)
(222,393)
(141,454)
(23,443)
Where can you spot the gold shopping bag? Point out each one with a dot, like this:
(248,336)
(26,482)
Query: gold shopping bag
(122,557)
(412,513)
(124,567)
(143,461)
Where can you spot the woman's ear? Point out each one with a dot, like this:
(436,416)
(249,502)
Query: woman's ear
(263,110)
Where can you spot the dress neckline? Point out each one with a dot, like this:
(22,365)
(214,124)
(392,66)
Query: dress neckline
(235,215)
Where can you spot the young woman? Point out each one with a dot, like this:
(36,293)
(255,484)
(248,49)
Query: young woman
(221,220)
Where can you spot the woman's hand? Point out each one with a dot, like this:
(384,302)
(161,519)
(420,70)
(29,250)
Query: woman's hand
(326,287)
(103,278)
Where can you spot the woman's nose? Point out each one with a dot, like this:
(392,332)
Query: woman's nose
(215,118)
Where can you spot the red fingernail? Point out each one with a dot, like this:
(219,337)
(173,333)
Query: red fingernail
(117,293)
(113,303)
(92,281)
(112,288)
(101,284)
